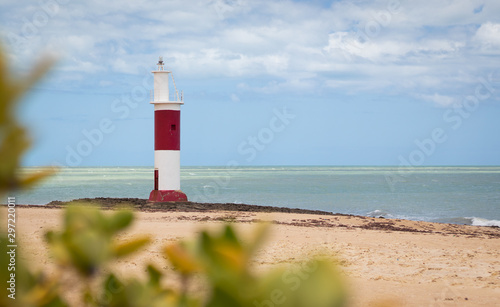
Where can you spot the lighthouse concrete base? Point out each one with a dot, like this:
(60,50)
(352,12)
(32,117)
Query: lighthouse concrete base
(158,196)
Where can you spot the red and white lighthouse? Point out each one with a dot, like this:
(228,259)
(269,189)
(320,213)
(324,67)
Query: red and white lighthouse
(167,173)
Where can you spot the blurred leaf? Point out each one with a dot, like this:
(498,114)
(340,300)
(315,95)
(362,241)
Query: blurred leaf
(233,257)
(89,250)
(83,217)
(127,248)
(154,276)
(230,235)
(43,293)
(32,179)
(181,259)
(58,248)
(133,293)
(14,139)
(120,220)
(321,285)
(87,241)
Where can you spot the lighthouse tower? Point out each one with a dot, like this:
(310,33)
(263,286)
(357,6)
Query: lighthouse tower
(167,181)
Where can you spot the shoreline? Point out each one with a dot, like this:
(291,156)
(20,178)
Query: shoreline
(143,205)
(356,221)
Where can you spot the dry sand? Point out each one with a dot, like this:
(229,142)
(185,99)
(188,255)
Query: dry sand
(405,262)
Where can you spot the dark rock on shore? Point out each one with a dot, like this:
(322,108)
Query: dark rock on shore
(144,205)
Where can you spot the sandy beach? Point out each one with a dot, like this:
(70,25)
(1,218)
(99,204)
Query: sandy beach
(406,263)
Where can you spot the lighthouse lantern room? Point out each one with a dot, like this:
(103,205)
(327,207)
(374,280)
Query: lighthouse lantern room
(167,186)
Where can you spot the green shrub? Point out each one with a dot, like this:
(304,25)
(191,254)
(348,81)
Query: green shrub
(14,138)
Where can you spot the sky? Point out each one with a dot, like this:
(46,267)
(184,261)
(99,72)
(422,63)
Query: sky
(287,82)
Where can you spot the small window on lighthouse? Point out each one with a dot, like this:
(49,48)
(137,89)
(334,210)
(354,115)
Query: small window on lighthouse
(172,127)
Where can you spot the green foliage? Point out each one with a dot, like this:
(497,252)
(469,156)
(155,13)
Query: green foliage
(224,260)
(136,293)
(32,289)
(14,139)
(87,240)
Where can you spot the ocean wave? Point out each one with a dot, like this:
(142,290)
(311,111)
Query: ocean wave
(474,221)
(477,221)
(380,213)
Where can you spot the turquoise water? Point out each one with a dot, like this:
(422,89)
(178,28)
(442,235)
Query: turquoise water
(464,195)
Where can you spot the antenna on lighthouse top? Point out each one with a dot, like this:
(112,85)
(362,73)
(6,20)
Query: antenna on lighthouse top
(160,63)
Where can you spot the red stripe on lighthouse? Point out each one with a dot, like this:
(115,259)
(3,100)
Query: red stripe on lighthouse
(167,130)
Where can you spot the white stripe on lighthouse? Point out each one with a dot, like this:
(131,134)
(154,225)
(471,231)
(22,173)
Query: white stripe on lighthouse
(168,106)
(167,163)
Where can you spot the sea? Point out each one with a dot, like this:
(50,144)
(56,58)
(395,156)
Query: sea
(447,194)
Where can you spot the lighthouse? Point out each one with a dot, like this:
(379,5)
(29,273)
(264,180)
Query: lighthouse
(167,169)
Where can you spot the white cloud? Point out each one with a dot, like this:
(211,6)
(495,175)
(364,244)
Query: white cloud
(423,45)
(351,45)
(78,65)
(488,36)
(441,100)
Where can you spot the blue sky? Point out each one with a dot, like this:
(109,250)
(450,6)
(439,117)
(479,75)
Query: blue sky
(265,82)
